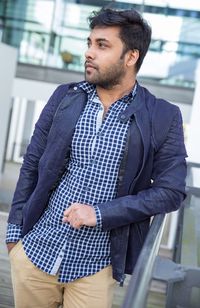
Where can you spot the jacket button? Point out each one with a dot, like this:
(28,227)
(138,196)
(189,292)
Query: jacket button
(75,88)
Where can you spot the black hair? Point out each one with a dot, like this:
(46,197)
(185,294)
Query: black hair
(135,32)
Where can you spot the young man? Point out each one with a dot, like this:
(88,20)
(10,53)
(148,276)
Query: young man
(105,156)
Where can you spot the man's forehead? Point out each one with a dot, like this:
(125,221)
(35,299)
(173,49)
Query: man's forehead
(105,33)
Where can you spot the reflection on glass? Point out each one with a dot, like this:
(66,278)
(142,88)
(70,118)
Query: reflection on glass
(53,33)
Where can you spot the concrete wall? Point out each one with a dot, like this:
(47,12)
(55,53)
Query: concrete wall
(8,58)
(33,89)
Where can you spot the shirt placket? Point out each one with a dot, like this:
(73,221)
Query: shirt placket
(99,121)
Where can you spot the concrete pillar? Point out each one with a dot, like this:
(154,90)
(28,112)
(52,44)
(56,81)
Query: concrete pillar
(8,59)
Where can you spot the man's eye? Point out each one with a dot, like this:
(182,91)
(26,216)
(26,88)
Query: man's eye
(102,45)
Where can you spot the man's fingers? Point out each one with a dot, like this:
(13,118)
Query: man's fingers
(73,221)
(71,216)
(76,223)
(79,215)
(71,208)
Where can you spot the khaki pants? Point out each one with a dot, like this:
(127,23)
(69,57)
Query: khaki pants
(35,289)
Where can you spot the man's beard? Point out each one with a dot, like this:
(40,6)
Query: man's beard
(109,78)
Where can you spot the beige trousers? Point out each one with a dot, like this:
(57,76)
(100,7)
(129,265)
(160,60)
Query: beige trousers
(35,289)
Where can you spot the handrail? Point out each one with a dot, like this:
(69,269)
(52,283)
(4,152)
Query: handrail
(194,191)
(191,164)
(138,287)
(191,189)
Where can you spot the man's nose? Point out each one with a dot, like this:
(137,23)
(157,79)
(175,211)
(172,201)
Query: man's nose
(90,54)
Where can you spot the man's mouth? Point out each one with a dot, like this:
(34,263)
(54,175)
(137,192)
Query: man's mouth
(89,65)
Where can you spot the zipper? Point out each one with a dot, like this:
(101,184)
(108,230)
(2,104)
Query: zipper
(124,161)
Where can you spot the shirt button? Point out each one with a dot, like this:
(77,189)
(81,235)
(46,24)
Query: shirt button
(122,117)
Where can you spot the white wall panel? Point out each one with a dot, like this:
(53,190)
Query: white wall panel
(8,56)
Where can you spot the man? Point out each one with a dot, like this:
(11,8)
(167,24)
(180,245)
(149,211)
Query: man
(105,156)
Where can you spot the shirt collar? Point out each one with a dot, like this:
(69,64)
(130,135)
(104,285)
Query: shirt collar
(87,87)
(90,89)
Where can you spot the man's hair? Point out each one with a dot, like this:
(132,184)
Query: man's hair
(135,32)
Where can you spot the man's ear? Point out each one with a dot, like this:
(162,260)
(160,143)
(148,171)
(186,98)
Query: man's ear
(132,57)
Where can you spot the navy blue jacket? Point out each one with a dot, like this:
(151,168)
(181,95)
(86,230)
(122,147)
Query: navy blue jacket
(151,179)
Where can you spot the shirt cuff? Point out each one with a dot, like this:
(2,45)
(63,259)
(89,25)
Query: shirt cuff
(98,217)
(13,233)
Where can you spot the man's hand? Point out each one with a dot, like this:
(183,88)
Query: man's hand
(10,246)
(79,215)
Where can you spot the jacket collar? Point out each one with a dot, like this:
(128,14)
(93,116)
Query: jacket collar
(138,102)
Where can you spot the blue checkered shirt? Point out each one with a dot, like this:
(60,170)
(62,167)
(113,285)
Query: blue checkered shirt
(91,178)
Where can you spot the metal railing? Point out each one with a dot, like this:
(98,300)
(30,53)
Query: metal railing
(138,288)
(180,279)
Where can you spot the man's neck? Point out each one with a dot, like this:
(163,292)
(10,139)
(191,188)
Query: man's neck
(109,96)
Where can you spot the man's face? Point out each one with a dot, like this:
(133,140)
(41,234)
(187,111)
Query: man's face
(105,65)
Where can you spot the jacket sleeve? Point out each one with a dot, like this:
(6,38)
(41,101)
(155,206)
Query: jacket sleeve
(29,171)
(167,190)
